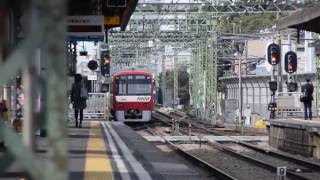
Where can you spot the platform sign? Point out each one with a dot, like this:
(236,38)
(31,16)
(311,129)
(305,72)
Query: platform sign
(85,28)
(281,173)
(92,77)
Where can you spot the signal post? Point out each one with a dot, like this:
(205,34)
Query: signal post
(290,66)
(105,63)
(274,58)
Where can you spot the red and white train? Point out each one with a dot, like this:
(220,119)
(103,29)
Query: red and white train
(132,96)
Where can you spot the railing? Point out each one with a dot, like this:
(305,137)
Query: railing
(96,107)
(45,27)
(288,104)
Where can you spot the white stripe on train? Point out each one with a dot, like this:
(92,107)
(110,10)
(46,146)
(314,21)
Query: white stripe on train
(133,98)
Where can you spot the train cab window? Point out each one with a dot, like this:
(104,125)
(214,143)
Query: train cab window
(141,77)
(134,85)
(121,85)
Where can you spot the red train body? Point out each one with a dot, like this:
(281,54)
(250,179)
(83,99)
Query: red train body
(132,99)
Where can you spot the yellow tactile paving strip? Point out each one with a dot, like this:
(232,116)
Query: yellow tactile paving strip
(97,163)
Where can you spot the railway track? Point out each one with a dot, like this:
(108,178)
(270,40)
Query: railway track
(297,168)
(214,171)
(245,168)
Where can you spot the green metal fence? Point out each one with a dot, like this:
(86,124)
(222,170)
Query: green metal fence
(204,69)
(47,28)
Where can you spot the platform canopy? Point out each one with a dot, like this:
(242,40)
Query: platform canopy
(306,19)
(116,12)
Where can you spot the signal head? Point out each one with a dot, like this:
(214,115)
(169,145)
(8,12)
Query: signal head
(290,62)
(105,63)
(273,54)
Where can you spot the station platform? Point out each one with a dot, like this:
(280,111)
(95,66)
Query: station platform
(205,138)
(296,136)
(112,151)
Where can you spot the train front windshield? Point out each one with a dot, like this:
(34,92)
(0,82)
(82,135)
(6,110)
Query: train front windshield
(133,85)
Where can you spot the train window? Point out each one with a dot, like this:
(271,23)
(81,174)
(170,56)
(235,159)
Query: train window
(134,85)
(121,85)
(140,77)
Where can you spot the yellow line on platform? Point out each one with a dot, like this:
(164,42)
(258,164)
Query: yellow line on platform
(97,164)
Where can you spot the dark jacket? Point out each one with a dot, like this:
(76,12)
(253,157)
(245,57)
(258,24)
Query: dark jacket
(3,110)
(78,102)
(307,90)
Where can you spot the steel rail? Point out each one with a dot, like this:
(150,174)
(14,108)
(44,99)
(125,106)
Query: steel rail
(301,162)
(216,172)
(192,123)
(258,162)
(298,161)
(232,152)
(272,153)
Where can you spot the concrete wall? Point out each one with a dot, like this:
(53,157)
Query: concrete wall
(296,141)
(295,137)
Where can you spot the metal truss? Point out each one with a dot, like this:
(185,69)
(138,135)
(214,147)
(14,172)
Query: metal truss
(216,7)
(187,25)
(139,38)
(149,35)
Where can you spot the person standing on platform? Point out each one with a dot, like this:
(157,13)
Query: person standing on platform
(3,116)
(306,98)
(79,96)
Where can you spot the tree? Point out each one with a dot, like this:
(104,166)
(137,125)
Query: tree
(245,23)
(183,81)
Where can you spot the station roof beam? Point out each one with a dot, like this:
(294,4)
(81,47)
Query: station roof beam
(307,19)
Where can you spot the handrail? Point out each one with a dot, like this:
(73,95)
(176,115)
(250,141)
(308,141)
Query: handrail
(279,93)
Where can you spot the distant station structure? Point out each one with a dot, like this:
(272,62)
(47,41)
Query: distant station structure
(260,74)
(296,135)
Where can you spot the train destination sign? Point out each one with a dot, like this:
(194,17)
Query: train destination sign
(85,28)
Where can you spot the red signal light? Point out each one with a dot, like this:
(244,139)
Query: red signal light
(273,54)
(290,64)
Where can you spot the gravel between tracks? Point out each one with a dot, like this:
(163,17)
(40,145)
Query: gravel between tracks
(291,166)
(265,145)
(234,166)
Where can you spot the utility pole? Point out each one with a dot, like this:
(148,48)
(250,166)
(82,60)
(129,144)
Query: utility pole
(163,81)
(240,93)
(30,85)
(280,77)
(175,73)
(175,81)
